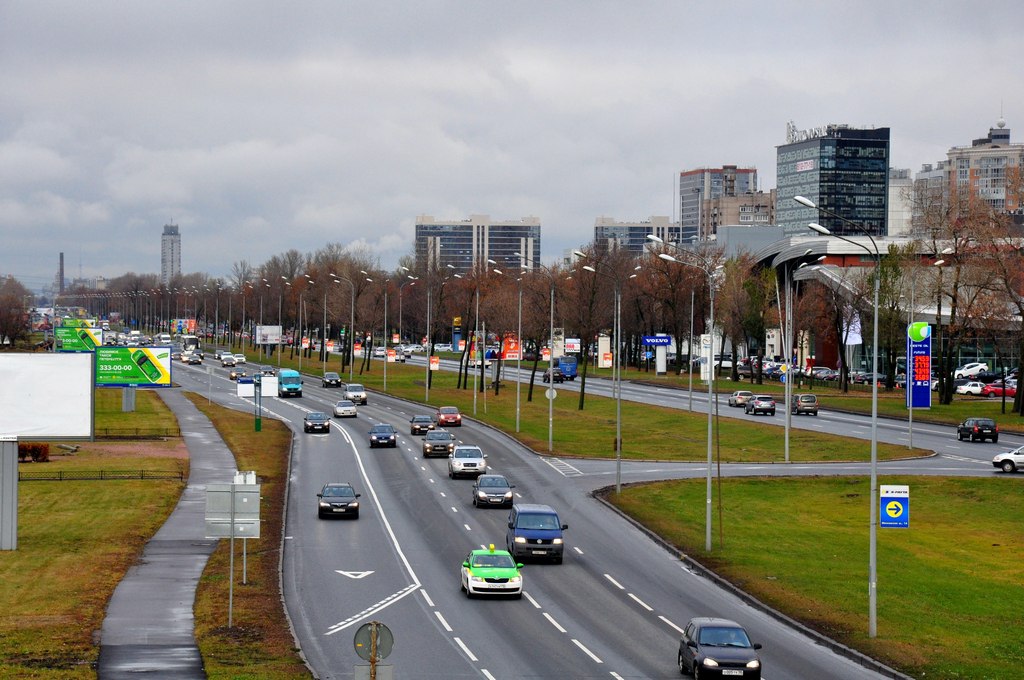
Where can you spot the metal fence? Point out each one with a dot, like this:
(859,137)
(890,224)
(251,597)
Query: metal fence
(77,475)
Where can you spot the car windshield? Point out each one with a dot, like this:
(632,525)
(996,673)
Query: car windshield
(331,376)
(386,429)
(449,409)
(469,453)
(494,561)
(422,419)
(339,491)
(723,637)
(443,436)
(355,388)
(345,403)
(493,482)
(317,416)
(527,521)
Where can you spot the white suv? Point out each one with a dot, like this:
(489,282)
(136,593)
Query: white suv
(466,460)
(355,393)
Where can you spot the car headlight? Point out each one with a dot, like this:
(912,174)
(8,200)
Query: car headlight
(324,504)
(515,579)
(754,664)
(520,539)
(481,494)
(709,662)
(477,579)
(557,541)
(508,494)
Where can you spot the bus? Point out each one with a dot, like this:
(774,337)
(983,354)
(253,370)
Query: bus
(190,343)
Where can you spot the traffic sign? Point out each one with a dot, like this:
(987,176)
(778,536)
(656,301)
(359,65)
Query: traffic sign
(373,641)
(894,512)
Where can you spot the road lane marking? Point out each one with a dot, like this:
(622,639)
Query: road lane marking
(641,602)
(554,623)
(372,609)
(468,528)
(454,509)
(563,468)
(465,649)
(586,651)
(426,597)
(680,630)
(617,584)
(487,673)
(536,605)
(577,550)
(443,622)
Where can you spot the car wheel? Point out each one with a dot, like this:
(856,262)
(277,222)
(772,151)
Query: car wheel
(451,475)
(1008,466)
(519,595)
(680,664)
(995,439)
(558,559)
(355,515)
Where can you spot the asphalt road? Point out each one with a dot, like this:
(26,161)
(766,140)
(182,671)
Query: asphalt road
(613,609)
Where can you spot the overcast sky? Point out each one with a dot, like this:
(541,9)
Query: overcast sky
(262,126)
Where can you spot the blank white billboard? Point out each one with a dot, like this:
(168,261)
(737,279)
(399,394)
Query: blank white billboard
(46,396)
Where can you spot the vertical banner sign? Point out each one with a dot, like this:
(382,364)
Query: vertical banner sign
(435,363)
(919,365)
(894,510)
(510,347)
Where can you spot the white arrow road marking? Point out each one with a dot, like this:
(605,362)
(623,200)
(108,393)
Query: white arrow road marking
(354,574)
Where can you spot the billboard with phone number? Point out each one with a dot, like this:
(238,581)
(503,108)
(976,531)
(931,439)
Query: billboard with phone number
(77,339)
(133,366)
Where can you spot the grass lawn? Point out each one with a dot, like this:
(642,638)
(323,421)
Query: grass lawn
(76,539)
(949,592)
(260,644)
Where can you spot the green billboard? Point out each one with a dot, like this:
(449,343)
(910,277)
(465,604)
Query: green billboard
(133,366)
(68,322)
(77,339)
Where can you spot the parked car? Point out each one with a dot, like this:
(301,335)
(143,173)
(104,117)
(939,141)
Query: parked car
(761,403)
(337,500)
(1011,461)
(448,416)
(997,390)
(972,387)
(806,404)
(383,434)
(970,370)
(978,429)
(345,409)
(443,347)
(330,379)
(740,397)
(466,460)
(420,424)
(492,491)
(717,648)
(438,442)
(316,422)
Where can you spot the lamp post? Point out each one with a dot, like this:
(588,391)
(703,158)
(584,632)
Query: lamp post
(873,521)
(616,365)
(351,337)
(709,271)
(410,282)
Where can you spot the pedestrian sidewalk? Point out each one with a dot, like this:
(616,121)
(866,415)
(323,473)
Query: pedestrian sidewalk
(149,627)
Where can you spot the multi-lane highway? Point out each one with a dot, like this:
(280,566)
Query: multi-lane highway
(613,609)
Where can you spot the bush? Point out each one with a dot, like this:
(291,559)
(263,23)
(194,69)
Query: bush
(39,452)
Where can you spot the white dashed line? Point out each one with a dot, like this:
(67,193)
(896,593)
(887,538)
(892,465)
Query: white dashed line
(640,602)
(614,582)
(468,528)
(487,673)
(577,550)
(553,622)
(426,597)
(465,649)
(454,509)
(536,605)
(680,630)
(587,651)
(443,622)
(616,675)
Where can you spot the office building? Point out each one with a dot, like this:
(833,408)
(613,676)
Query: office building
(842,169)
(466,244)
(170,254)
(610,234)
(699,188)
(901,201)
(982,169)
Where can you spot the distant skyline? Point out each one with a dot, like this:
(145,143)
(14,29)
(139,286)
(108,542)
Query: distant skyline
(258,127)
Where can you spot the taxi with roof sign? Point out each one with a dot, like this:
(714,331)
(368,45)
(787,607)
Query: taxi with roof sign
(491,572)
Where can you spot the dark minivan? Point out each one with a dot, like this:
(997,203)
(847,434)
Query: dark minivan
(535,531)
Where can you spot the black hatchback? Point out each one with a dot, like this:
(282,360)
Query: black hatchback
(330,379)
(316,422)
(717,648)
(978,429)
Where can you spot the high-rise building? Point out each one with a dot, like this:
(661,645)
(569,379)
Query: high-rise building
(610,234)
(901,201)
(170,254)
(981,170)
(840,168)
(698,188)
(465,244)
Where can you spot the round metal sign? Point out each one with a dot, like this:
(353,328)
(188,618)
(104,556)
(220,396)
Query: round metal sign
(364,641)
(550,393)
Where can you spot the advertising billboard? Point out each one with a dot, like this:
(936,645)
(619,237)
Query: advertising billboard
(77,323)
(47,395)
(133,366)
(919,365)
(510,347)
(268,335)
(77,338)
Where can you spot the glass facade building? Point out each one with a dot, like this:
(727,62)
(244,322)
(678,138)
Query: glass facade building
(610,234)
(465,244)
(842,169)
(697,190)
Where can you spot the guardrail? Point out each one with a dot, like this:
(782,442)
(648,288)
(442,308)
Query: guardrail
(78,475)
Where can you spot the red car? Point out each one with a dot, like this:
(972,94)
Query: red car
(995,390)
(449,416)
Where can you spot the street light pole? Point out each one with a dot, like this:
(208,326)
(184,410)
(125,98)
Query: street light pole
(873,514)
